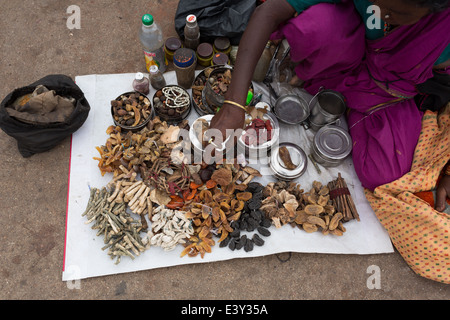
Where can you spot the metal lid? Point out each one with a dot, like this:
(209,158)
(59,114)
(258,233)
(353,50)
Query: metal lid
(291,109)
(222,43)
(220,58)
(298,157)
(333,142)
(173,44)
(205,50)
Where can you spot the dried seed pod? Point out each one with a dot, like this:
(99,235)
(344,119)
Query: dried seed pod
(308,227)
(335,221)
(257,240)
(244,196)
(264,231)
(248,245)
(313,209)
(316,221)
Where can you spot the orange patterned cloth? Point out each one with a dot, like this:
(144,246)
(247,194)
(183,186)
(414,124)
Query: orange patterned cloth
(420,234)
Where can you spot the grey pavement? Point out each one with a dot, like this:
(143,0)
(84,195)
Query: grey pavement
(35,42)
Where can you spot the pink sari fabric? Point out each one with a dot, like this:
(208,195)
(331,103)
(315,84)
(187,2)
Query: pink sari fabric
(377,77)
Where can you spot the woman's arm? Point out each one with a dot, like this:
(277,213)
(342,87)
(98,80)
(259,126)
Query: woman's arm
(442,65)
(264,21)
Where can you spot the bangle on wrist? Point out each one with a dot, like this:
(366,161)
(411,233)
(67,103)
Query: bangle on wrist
(235,104)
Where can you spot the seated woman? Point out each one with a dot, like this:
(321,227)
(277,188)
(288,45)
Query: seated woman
(375,58)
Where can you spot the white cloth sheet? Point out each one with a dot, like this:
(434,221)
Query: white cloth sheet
(83,255)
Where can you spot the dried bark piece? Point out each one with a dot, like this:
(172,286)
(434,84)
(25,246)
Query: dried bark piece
(286,158)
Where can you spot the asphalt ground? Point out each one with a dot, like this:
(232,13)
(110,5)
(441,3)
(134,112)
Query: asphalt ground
(35,41)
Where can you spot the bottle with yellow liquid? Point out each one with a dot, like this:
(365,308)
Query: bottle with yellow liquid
(152,40)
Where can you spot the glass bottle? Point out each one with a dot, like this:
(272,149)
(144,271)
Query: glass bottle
(191,33)
(157,79)
(141,84)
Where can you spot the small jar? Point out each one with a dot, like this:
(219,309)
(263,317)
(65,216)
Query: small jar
(220,58)
(157,79)
(205,54)
(141,84)
(171,45)
(185,62)
(222,44)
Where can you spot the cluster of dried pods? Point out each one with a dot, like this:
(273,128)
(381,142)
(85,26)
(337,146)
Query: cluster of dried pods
(215,207)
(169,228)
(121,233)
(287,203)
(140,149)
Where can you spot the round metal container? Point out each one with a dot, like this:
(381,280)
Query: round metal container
(298,157)
(141,125)
(180,114)
(291,109)
(326,107)
(261,151)
(331,145)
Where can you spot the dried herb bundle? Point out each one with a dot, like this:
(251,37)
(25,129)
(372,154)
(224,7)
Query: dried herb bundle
(342,199)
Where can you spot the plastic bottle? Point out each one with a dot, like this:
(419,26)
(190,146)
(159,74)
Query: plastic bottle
(141,84)
(263,64)
(157,79)
(151,37)
(191,33)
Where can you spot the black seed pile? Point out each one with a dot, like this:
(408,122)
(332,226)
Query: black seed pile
(252,219)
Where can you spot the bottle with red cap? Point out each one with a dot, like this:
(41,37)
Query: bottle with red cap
(191,32)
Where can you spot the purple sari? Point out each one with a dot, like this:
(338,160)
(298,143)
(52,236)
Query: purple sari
(377,77)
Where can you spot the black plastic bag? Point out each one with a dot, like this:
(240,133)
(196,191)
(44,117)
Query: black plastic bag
(434,93)
(216,18)
(32,138)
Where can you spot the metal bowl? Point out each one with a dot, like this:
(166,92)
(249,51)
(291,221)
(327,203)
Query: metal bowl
(298,157)
(291,109)
(139,126)
(177,116)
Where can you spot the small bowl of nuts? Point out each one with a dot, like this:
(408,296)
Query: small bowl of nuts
(131,111)
(172,103)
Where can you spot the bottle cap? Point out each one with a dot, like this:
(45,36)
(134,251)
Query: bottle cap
(184,57)
(139,76)
(147,19)
(154,69)
(191,18)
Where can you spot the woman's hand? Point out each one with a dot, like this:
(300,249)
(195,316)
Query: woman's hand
(229,118)
(442,192)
